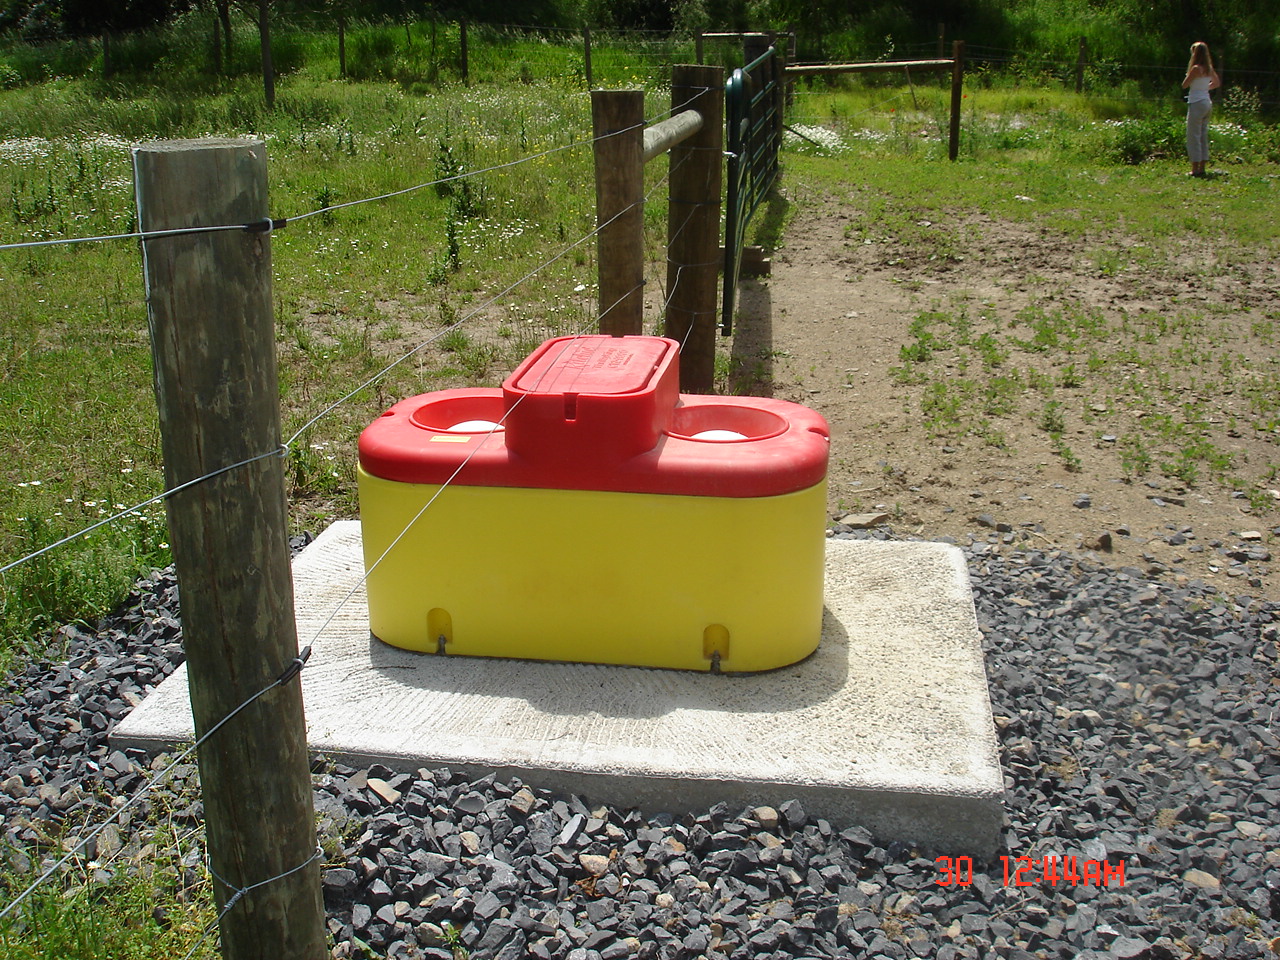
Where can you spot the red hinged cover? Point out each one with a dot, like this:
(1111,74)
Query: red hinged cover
(609,395)
(600,413)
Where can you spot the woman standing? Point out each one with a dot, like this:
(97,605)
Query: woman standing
(1200,79)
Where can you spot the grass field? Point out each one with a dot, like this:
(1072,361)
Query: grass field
(471,279)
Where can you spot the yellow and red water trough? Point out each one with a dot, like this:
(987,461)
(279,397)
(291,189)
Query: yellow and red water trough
(587,511)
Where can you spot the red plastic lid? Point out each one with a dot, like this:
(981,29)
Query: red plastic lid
(600,413)
(611,396)
(607,366)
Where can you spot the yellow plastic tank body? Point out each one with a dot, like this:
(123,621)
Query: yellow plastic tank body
(659,543)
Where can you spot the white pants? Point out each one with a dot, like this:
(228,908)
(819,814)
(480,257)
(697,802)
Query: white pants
(1198,130)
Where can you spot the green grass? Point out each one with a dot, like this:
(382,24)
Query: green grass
(358,287)
(1110,189)
(132,896)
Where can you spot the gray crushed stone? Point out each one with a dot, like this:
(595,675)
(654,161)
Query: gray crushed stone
(1139,729)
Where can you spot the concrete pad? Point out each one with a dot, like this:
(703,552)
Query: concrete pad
(887,725)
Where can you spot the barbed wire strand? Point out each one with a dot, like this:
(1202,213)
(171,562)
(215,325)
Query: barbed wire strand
(498,425)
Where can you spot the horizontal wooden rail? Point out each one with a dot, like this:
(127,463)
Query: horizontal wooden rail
(801,69)
(661,137)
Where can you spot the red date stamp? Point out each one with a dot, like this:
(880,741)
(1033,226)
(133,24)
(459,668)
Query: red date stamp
(1047,871)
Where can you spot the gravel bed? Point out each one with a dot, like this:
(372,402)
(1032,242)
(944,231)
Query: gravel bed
(1139,728)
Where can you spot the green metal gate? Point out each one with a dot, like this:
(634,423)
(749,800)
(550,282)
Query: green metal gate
(753,116)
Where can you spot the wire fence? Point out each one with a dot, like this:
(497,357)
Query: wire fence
(235,894)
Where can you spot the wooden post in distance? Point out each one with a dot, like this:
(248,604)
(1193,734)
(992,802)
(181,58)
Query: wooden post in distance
(209,307)
(957,85)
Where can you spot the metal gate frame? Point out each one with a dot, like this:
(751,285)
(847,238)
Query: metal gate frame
(753,118)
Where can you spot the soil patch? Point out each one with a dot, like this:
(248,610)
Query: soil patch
(1123,433)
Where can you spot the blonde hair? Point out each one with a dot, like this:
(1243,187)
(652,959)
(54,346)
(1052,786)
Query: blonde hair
(1200,55)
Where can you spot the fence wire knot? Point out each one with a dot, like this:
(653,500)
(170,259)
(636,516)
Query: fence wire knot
(238,892)
(295,666)
(267,225)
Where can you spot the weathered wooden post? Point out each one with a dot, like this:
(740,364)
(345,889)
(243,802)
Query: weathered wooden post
(617,119)
(697,47)
(264,40)
(462,45)
(342,46)
(1080,62)
(957,85)
(778,72)
(209,306)
(693,226)
(586,56)
(753,47)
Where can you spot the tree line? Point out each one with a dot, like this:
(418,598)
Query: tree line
(1135,32)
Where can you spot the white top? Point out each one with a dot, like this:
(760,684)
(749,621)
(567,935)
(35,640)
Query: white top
(1198,89)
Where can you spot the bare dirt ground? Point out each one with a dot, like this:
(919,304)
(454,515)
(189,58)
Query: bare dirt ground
(827,327)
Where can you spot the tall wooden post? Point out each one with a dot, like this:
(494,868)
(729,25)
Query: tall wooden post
(209,306)
(617,119)
(264,40)
(753,46)
(1080,62)
(693,226)
(957,85)
(697,47)
(778,71)
(586,56)
(342,47)
(462,44)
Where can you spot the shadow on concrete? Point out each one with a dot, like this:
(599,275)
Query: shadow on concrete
(573,689)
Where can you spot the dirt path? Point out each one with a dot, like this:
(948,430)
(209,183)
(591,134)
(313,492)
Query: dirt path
(827,330)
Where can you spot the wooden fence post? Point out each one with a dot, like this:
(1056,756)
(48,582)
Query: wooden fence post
(586,56)
(697,47)
(778,71)
(617,119)
(693,226)
(342,47)
(957,85)
(462,44)
(264,41)
(209,306)
(1080,61)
